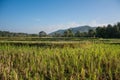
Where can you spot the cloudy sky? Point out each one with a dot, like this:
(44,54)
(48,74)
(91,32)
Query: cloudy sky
(32,16)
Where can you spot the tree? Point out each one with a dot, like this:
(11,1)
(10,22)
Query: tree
(57,35)
(42,34)
(101,32)
(118,24)
(118,29)
(91,33)
(116,32)
(71,34)
(68,33)
(84,34)
(78,34)
(109,31)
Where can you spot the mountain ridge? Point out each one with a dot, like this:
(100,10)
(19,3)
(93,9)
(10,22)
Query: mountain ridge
(84,28)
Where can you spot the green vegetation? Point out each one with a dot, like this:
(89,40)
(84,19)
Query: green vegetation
(109,31)
(71,56)
(13,34)
(64,60)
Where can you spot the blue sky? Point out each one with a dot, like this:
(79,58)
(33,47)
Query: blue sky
(32,16)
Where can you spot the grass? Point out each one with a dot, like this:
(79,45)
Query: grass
(72,61)
(45,38)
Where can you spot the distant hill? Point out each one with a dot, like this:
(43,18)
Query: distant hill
(74,30)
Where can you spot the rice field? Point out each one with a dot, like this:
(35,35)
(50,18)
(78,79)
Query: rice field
(60,61)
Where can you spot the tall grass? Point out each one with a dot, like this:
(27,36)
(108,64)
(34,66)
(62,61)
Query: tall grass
(84,62)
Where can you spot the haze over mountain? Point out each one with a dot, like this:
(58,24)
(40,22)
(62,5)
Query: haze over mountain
(85,28)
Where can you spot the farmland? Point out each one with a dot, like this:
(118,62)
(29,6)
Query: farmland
(59,59)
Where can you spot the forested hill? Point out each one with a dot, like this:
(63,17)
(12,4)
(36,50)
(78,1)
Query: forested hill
(74,30)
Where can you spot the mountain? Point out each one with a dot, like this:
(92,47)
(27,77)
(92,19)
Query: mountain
(74,30)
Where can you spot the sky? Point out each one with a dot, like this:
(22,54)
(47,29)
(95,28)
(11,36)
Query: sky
(33,16)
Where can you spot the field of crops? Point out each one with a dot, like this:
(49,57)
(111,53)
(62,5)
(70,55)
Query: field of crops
(87,60)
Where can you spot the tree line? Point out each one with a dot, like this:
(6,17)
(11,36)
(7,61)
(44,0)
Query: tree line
(109,31)
(12,34)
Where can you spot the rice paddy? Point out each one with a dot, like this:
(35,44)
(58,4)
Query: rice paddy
(85,60)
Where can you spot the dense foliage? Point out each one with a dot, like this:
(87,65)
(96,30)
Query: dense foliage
(12,34)
(108,31)
(42,34)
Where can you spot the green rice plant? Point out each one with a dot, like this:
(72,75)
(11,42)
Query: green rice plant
(84,61)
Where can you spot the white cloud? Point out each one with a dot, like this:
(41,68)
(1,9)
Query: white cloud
(35,28)
(51,28)
(94,23)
